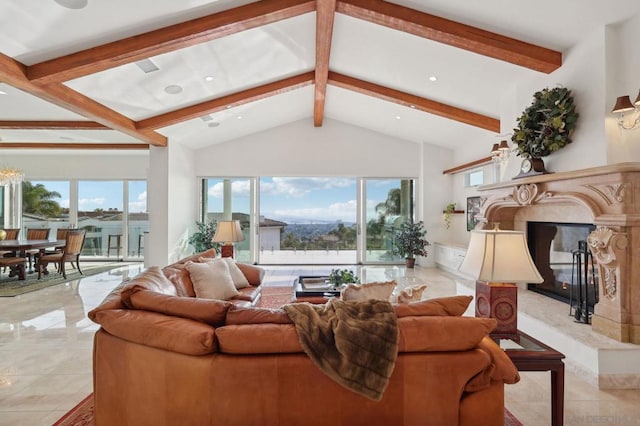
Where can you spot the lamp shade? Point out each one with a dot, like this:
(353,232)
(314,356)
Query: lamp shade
(500,257)
(623,104)
(228,231)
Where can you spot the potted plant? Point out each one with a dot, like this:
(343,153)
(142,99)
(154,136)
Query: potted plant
(201,239)
(409,242)
(338,277)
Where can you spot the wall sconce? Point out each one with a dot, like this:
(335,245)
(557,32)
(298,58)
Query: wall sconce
(500,152)
(624,105)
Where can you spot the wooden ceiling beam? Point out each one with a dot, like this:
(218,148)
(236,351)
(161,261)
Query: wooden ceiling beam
(453,33)
(224,102)
(413,101)
(52,125)
(325,15)
(73,145)
(168,39)
(14,73)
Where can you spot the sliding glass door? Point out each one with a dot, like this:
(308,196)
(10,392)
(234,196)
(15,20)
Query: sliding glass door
(308,220)
(389,203)
(312,220)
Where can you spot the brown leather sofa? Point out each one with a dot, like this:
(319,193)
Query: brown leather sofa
(164,357)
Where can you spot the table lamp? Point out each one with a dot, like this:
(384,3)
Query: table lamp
(498,260)
(227,233)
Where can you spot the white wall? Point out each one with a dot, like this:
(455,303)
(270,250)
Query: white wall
(622,78)
(173,203)
(300,149)
(39,165)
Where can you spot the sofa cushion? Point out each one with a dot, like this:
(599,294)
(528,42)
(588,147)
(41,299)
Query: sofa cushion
(212,312)
(211,280)
(181,279)
(436,333)
(239,280)
(258,339)
(159,331)
(447,306)
(248,293)
(363,292)
(150,279)
(237,315)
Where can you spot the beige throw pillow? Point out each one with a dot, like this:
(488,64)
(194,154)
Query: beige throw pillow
(362,292)
(211,280)
(239,280)
(411,294)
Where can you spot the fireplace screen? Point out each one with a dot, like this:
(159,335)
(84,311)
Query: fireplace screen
(556,249)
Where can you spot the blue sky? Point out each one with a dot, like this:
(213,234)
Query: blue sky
(302,199)
(100,194)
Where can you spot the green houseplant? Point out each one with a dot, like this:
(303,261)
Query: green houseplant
(338,277)
(409,242)
(201,239)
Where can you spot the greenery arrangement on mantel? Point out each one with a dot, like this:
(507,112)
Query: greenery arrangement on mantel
(547,124)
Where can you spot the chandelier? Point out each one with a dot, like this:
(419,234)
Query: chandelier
(10,175)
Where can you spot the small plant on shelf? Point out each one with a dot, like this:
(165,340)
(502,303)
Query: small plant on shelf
(338,277)
(448,211)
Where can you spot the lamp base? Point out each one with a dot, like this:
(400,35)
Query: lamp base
(227,251)
(498,301)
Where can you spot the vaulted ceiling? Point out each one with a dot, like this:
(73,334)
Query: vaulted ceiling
(124,74)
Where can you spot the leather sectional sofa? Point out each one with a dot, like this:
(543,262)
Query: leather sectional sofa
(163,356)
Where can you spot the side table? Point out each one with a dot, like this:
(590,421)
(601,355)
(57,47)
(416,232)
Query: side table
(529,354)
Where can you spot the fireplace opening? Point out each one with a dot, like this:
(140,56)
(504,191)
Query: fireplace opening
(560,253)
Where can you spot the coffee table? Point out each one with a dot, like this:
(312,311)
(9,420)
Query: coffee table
(314,286)
(529,354)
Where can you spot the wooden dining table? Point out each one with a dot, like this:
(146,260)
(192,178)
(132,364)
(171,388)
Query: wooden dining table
(21,246)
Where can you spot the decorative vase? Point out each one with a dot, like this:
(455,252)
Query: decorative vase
(3,234)
(410,262)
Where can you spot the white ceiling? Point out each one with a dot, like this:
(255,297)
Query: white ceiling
(32,32)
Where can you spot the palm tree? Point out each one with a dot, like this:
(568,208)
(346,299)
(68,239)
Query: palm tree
(38,200)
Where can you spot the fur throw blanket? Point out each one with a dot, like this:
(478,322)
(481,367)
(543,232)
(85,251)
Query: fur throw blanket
(354,343)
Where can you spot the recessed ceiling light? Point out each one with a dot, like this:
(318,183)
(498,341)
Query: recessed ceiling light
(397,117)
(433,78)
(239,117)
(213,124)
(209,78)
(2,92)
(72,4)
(229,106)
(412,106)
(173,89)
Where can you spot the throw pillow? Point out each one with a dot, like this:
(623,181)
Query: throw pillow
(211,280)
(442,306)
(239,280)
(411,294)
(362,292)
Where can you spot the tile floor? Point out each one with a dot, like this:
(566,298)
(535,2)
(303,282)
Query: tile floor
(46,349)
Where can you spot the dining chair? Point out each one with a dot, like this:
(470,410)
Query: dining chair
(17,265)
(12,234)
(70,253)
(35,234)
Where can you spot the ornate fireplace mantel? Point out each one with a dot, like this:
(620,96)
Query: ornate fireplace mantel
(608,197)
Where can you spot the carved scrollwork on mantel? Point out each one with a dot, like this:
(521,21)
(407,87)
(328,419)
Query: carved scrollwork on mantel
(610,193)
(528,194)
(608,248)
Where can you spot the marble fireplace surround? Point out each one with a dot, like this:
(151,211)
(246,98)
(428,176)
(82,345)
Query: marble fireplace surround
(608,197)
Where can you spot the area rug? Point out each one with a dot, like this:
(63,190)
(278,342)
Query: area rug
(82,415)
(10,287)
